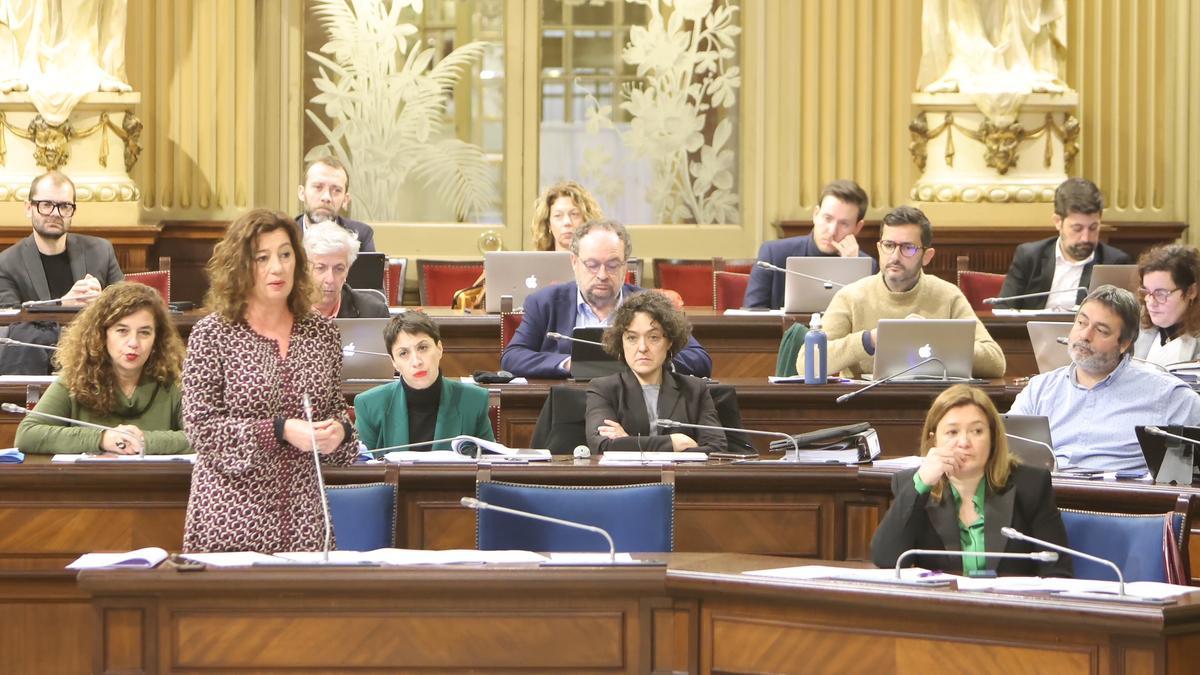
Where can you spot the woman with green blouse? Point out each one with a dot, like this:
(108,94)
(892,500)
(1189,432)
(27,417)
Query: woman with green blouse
(120,363)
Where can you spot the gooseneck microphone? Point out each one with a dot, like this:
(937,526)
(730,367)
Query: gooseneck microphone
(1006,298)
(18,343)
(350,351)
(1156,431)
(1037,442)
(560,336)
(18,410)
(672,424)
(472,503)
(1039,556)
(312,434)
(827,283)
(42,303)
(1021,536)
(945,376)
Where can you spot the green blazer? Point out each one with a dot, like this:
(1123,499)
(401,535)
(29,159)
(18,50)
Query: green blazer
(381,415)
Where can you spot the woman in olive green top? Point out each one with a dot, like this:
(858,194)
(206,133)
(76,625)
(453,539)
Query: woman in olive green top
(120,363)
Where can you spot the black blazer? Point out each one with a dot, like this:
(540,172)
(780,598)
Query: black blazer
(1027,504)
(23,278)
(683,398)
(1032,271)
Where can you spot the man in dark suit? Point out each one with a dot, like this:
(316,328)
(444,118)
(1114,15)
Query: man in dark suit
(331,251)
(325,194)
(599,250)
(1064,262)
(837,218)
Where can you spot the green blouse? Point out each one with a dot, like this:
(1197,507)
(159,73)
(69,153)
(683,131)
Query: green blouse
(970,535)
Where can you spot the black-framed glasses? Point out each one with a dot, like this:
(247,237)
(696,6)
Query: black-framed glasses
(612,266)
(907,250)
(1160,295)
(46,207)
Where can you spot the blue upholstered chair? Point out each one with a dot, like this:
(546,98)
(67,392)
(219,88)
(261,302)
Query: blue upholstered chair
(364,516)
(640,518)
(1150,547)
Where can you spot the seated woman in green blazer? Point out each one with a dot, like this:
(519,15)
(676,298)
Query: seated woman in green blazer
(422,405)
(120,363)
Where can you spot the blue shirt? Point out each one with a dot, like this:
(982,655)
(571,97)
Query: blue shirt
(1093,428)
(585,316)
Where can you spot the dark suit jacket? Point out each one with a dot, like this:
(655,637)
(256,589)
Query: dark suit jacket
(362,304)
(22,277)
(531,353)
(766,286)
(619,398)
(1026,504)
(1032,271)
(366,235)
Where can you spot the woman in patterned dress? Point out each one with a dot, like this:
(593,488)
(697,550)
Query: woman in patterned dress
(249,365)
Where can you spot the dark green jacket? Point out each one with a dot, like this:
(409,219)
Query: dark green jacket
(381,415)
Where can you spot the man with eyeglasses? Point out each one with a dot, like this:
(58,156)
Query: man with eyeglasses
(599,250)
(901,290)
(1064,262)
(52,263)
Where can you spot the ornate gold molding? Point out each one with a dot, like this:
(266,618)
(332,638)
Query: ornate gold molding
(52,142)
(1001,142)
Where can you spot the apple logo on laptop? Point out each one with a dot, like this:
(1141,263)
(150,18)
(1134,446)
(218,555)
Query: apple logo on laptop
(531,281)
(925,351)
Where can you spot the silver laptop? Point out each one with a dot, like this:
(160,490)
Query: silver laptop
(360,336)
(1039,449)
(1121,276)
(519,273)
(801,295)
(903,343)
(1047,351)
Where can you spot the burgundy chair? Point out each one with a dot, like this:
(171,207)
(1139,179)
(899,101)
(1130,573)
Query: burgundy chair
(394,281)
(437,280)
(159,280)
(729,290)
(979,285)
(739,265)
(691,279)
(510,321)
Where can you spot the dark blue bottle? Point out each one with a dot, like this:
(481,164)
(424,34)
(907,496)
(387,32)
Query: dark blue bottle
(815,358)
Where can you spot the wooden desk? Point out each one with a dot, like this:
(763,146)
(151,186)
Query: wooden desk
(696,614)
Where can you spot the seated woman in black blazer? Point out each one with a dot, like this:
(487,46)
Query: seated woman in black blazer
(646,333)
(966,489)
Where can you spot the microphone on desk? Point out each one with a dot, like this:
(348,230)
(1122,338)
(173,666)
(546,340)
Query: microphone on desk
(478,442)
(1006,298)
(18,410)
(312,433)
(1039,556)
(350,350)
(560,336)
(475,504)
(42,303)
(945,376)
(1037,442)
(1062,340)
(672,424)
(18,343)
(827,283)
(1156,431)
(1012,533)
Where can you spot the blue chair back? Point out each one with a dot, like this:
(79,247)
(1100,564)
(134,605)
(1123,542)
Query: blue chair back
(364,516)
(640,518)
(1144,547)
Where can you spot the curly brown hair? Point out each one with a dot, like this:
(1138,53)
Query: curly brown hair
(543,239)
(661,310)
(1183,264)
(87,370)
(231,268)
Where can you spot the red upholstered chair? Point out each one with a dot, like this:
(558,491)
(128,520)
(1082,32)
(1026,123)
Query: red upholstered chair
(510,321)
(739,265)
(393,281)
(729,290)
(633,271)
(437,280)
(979,285)
(691,279)
(159,280)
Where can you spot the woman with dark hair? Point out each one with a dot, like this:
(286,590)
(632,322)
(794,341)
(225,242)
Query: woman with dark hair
(250,365)
(967,488)
(422,405)
(120,361)
(622,410)
(1170,313)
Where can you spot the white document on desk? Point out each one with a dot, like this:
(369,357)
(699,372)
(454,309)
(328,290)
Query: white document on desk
(810,572)
(189,458)
(1144,589)
(621,457)
(143,557)
(404,556)
(230,558)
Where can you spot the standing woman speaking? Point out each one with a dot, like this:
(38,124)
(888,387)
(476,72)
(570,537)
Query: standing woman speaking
(249,364)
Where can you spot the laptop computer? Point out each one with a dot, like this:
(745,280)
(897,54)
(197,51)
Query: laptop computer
(1036,428)
(1121,276)
(1170,466)
(589,361)
(902,343)
(360,336)
(801,295)
(1047,351)
(519,273)
(368,271)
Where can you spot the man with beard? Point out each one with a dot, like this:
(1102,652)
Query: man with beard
(599,251)
(1095,403)
(1062,263)
(325,193)
(901,290)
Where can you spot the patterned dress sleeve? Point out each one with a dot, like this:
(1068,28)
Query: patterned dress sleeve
(332,403)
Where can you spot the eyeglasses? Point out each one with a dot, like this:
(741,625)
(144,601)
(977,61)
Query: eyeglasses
(612,266)
(1160,295)
(906,250)
(46,207)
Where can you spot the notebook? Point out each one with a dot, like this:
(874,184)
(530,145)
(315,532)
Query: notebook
(1121,276)
(902,343)
(1047,351)
(589,361)
(801,295)
(519,273)
(360,336)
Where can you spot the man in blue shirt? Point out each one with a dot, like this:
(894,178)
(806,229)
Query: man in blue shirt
(1095,403)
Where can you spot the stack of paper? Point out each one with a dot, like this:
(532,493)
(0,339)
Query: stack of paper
(143,557)
(11,456)
(404,556)
(632,457)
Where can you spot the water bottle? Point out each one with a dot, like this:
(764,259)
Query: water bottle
(815,344)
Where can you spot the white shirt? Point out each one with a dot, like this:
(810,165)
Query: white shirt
(1067,275)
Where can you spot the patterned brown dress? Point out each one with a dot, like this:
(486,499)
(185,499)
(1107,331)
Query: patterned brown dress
(249,491)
